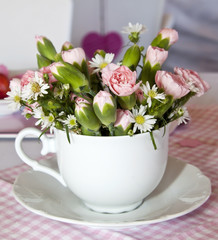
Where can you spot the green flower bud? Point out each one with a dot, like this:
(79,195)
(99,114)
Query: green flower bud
(134,37)
(58,57)
(85,115)
(42,61)
(105,107)
(59,125)
(100,52)
(127,102)
(165,38)
(132,57)
(46,48)
(67,73)
(67,46)
(28,116)
(49,105)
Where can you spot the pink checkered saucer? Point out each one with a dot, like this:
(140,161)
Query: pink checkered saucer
(183,189)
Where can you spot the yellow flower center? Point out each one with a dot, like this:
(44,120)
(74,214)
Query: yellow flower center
(152,94)
(35,87)
(16,98)
(103,65)
(180,111)
(72,122)
(139,119)
(51,118)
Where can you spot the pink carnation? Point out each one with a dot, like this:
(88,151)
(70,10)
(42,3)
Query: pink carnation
(120,80)
(123,118)
(101,98)
(172,34)
(27,76)
(47,70)
(172,84)
(140,95)
(74,55)
(39,39)
(196,84)
(80,103)
(156,55)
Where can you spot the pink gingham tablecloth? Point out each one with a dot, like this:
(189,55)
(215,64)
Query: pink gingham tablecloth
(195,143)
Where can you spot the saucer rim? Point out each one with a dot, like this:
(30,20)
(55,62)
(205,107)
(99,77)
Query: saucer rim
(122,224)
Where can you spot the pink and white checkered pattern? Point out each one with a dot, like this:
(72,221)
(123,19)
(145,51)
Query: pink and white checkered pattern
(195,143)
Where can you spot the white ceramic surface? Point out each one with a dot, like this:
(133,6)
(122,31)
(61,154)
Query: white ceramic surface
(110,174)
(183,189)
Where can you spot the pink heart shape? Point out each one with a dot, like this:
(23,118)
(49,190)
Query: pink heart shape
(110,43)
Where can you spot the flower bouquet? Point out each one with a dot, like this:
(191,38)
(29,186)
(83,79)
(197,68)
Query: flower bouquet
(101,98)
(115,117)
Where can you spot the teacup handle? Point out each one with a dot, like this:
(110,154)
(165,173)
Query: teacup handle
(48,146)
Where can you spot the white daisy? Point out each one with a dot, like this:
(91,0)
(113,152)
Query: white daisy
(36,87)
(152,93)
(134,28)
(184,115)
(44,121)
(15,94)
(181,115)
(99,62)
(39,114)
(142,122)
(70,121)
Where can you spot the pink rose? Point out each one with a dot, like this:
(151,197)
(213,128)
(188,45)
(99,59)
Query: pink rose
(156,55)
(172,84)
(27,76)
(123,119)
(120,80)
(74,55)
(172,34)
(196,84)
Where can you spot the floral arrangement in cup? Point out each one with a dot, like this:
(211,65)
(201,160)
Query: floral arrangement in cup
(101,98)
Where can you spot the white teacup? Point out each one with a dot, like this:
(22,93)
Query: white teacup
(109,174)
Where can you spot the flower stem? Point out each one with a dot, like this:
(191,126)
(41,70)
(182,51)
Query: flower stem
(153,141)
(67,133)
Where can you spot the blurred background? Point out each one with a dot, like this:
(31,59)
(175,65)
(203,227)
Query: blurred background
(77,20)
(197,24)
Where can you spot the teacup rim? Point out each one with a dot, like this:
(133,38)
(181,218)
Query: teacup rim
(163,129)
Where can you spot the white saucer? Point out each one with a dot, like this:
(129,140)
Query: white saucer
(183,189)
